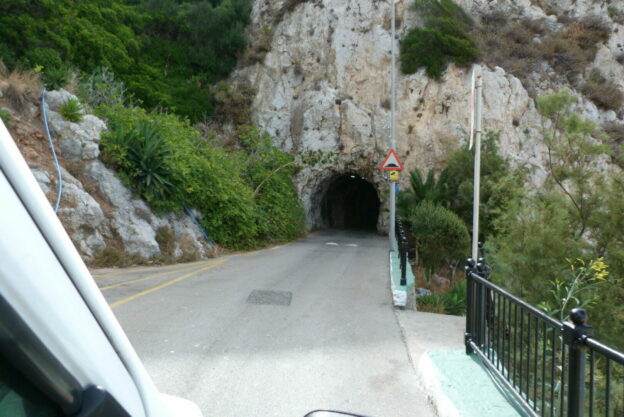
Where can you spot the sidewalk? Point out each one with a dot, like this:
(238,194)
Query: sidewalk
(455,383)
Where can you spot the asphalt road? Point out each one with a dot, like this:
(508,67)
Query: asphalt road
(319,332)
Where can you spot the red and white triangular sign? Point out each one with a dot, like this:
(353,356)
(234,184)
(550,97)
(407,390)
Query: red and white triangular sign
(391,163)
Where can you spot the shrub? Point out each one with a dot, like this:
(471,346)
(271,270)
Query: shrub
(5,115)
(165,240)
(166,52)
(433,50)
(102,88)
(224,186)
(453,302)
(616,14)
(72,110)
(429,189)
(606,94)
(142,155)
(615,133)
(444,39)
(500,184)
(439,235)
(21,87)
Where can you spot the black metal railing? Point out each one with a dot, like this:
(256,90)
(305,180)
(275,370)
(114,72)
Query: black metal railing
(551,368)
(403,248)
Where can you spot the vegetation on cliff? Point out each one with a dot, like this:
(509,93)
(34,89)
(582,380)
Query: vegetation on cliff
(167,52)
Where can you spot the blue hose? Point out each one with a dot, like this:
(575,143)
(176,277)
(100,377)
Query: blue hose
(190,213)
(56,162)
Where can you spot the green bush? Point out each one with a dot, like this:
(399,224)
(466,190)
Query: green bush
(444,39)
(439,235)
(5,116)
(167,53)
(102,88)
(72,111)
(500,184)
(243,201)
(142,154)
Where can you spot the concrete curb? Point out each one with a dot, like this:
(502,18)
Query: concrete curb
(430,382)
(403,296)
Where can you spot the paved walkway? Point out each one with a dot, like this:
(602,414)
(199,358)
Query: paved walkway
(456,383)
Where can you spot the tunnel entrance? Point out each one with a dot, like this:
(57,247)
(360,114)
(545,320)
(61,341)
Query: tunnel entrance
(350,202)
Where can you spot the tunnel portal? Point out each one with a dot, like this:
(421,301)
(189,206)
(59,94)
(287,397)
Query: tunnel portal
(350,202)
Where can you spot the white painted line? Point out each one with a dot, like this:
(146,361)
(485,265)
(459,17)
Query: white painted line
(331,244)
(353,245)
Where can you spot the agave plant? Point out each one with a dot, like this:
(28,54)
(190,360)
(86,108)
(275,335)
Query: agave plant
(142,153)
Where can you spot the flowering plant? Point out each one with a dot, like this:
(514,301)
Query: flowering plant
(577,291)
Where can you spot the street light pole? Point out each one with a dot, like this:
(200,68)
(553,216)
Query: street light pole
(477,169)
(393,122)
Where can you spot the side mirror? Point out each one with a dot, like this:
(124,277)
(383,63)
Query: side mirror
(331,413)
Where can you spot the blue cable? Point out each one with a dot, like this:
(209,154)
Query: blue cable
(58,167)
(190,213)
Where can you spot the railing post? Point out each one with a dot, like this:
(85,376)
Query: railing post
(470,304)
(574,335)
(403,246)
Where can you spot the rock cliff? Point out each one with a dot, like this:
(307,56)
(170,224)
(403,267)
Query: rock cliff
(324,84)
(97,209)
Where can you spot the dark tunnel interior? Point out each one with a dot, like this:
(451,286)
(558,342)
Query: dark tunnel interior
(350,202)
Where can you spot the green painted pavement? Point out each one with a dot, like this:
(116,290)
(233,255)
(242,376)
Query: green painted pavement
(462,386)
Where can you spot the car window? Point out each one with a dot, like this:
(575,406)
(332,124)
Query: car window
(19,398)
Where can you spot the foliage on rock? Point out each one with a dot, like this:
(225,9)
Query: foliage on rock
(445,38)
(164,159)
(166,52)
(72,110)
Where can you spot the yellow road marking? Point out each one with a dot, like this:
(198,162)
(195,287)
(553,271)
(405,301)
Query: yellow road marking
(166,284)
(116,273)
(119,284)
(130,271)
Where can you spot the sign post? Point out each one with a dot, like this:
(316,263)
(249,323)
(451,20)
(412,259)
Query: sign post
(393,143)
(393,164)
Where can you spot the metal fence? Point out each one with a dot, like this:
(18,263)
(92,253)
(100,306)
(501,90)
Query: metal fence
(551,368)
(403,246)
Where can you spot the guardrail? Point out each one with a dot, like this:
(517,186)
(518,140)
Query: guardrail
(402,243)
(541,361)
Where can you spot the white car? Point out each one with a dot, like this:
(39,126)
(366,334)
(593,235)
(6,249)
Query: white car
(62,351)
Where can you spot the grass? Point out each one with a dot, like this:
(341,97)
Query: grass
(605,93)
(523,46)
(20,87)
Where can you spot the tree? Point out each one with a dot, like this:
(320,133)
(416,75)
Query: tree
(440,235)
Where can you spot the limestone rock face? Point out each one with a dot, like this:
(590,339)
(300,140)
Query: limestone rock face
(325,85)
(117,215)
(78,141)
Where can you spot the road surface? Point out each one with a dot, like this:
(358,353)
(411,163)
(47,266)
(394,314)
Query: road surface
(276,332)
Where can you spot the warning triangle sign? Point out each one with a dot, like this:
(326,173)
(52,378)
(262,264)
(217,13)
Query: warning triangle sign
(392,163)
